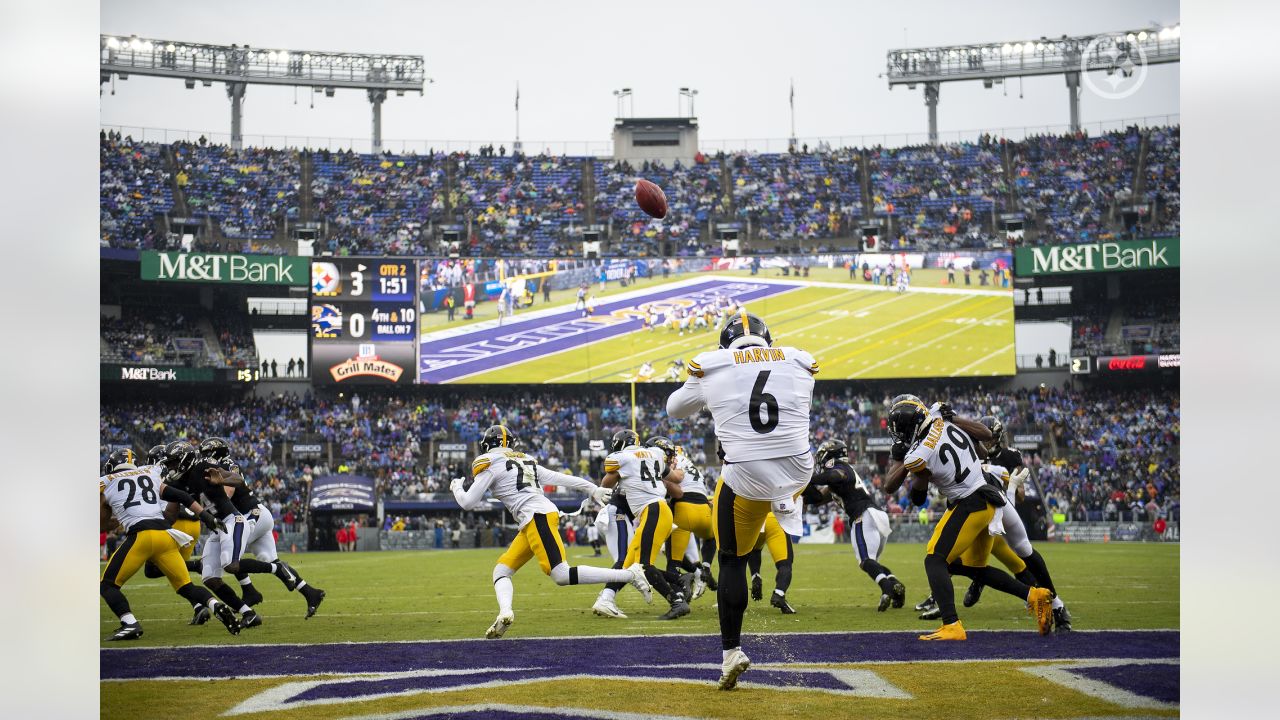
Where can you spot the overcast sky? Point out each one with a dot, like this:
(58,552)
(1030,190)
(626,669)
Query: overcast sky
(568,57)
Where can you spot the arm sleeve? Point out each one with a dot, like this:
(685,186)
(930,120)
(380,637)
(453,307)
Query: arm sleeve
(551,477)
(173,494)
(806,361)
(469,499)
(686,400)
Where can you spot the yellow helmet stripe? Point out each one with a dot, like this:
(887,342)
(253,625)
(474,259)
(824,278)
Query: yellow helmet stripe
(746,328)
(504,435)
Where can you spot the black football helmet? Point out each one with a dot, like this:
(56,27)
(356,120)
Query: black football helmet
(996,427)
(661,442)
(123,457)
(623,438)
(743,329)
(497,436)
(155,454)
(832,450)
(906,419)
(179,457)
(215,449)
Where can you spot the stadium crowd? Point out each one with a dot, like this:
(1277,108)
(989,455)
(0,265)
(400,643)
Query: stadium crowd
(1106,453)
(1069,187)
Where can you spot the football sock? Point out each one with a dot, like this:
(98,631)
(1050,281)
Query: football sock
(249,565)
(244,579)
(114,599)
(659,582)
(783,580)
(753,562)
(1036,563)
(724,654)
(731,600)
(614,587)
(1026,577)
(874,570)
(505,591)
(992,577)
(590,575)
(227,595)
(195,594)
(1057,602)
(608,593)
(940,584)
(128,619)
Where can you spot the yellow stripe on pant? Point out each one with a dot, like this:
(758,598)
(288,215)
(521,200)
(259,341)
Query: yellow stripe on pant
(737,521)
(690,519)
(963,531)
(653,527)
(156,546)
(540,538)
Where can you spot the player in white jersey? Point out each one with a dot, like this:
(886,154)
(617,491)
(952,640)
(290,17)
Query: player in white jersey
(646,475)
(691,515)
(759,399)
(515,480)
(136,497)
(935,446)
(904,280)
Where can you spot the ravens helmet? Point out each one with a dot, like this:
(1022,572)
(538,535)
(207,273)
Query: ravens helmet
(179,457)
(742,330)
(832,450)
(907,418)
(996,427)
(122,458)
(497,436)
(661,442)
(155,454)
(215,449)
(623,438)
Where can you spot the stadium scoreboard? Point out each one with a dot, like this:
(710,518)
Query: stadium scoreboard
(364,321)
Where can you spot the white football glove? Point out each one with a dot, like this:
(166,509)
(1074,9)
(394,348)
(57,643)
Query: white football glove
(456,484)
(1019,476)
(602,495)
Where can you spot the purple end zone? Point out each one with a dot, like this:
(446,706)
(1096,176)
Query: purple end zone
(1156,681)
(493,714)
(520,340)
(569,654)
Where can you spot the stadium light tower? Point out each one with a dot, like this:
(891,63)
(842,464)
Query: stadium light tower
(240,66)
(1124,52)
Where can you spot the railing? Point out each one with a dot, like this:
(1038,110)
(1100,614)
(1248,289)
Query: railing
(605,148)
(1028,362)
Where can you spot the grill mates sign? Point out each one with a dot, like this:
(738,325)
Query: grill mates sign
(1097,257)
(225,268)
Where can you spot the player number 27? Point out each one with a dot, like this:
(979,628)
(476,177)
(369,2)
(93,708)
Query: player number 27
(520,466)
(758,398)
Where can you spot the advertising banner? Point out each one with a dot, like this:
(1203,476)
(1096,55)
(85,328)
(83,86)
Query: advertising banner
(1151,254)
(225,268)
(342,493)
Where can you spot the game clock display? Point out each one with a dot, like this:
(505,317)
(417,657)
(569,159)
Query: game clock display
(364,321)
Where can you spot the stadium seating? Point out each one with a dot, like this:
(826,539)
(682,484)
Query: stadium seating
(934,197)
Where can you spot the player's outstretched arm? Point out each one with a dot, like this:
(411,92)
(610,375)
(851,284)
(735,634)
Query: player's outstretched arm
(471,498)
(597,493)
(687,400)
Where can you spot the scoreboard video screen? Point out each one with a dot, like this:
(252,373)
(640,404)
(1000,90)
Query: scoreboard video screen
(364,321)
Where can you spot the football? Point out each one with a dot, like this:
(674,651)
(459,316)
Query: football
(651,199)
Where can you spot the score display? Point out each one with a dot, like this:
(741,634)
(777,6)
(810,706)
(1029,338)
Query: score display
(364,321)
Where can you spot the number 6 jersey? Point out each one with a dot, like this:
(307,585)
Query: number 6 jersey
(759,398)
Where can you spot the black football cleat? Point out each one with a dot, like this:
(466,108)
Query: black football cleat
(885,600)
(709,577)
(127,631)
(287,576)
(973,594)
(250,595)
(314,596)
(201,616)
(678,610)
(899,594)
(1061,620)
(926,604)
(932,613)
(228,618)
(250,619)
(780,602)
(757,588)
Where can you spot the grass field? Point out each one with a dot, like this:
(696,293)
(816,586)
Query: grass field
(394,597)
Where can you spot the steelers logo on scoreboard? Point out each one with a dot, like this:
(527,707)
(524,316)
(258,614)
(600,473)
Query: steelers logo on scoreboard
(325,279)
(326,322)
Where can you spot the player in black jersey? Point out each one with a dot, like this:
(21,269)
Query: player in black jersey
(256,534)
(184,521)
(835,479)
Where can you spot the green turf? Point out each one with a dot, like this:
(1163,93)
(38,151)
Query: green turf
(448,594)
(854,333)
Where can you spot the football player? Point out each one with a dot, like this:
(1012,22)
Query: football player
(184,521)
(691,515)
(778,542)
(836,480)
(616,523)
(759,398)
(935,446)
(647,475)
(1014,548)
(515,480)
(256,536)
(135,497)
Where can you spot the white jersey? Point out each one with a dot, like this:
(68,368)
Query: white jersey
(949,454)
(515,480)
(1001,473)
(759,398)
(694,480)
(134,495)
(640,471)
